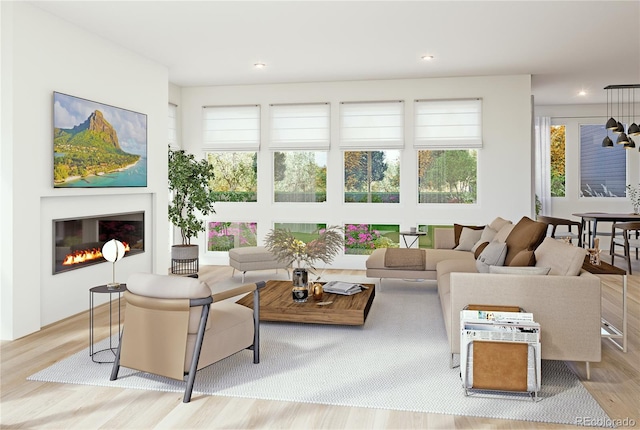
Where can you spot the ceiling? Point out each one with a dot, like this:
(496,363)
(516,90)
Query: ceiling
(566,46)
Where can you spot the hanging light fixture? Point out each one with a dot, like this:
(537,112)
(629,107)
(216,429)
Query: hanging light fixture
(614,124)
(634,129)
(607,142)
(630,144)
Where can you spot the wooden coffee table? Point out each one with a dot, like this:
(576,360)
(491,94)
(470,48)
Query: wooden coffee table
(276,304)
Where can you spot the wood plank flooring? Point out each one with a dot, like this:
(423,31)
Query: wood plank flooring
(615,383)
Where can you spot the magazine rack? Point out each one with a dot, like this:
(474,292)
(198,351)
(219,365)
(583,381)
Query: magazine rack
(500,352)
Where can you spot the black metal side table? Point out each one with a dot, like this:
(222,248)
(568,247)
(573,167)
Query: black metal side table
(415,234)
(102,289)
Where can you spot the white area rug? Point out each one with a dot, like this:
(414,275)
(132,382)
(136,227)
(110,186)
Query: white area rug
(398,360)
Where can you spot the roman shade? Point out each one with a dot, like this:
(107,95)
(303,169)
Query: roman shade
(300,126)
(372,125)
(448,124)
(231,128)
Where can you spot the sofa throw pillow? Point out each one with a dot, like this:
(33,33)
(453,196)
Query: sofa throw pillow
(511,270)
(564,259)
(498,223)
(503,233)
(526,234)
(487,236)
(493,255)
(457,231)
(468,239)
(525,257)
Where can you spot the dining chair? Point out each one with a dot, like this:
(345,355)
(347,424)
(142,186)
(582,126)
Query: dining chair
(626,235)
(563,233)
(174,326)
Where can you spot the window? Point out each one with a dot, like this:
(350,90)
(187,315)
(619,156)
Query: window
(372,176)
(602,170)
(300,176)
(231,128)
(305,232)
(557,152)
(236,176)
(362,239)
(447,176)
(223,236)
(444,124)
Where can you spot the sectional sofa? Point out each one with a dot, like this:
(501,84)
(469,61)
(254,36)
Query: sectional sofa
(508,264)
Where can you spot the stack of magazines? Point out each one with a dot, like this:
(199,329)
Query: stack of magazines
(344,288)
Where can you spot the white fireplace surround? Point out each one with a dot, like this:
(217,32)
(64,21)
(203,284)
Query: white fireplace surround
(67,293)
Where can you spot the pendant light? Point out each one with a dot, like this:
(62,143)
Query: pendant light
(607,142)
(614,124)
(634,129)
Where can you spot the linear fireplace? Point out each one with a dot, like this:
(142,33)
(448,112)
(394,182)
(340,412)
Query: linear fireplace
(78,242)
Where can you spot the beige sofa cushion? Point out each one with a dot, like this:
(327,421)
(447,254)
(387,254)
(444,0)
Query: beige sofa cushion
(457,231)
(503,233)
(434,256)
(468,239)
(498,223)
(563,259)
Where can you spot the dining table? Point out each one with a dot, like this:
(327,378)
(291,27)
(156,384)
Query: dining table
(590,222)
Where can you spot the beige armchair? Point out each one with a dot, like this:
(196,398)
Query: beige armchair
(174,326)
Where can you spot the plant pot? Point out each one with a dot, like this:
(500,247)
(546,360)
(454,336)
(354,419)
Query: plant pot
(184,259)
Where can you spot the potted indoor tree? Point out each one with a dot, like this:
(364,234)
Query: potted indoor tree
(189,192)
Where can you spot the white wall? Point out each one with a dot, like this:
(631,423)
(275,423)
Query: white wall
(504,164)
(572,116)
(42,54)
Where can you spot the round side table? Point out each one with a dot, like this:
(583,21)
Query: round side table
(113,347)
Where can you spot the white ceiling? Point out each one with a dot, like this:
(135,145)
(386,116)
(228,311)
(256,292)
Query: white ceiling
(565,45)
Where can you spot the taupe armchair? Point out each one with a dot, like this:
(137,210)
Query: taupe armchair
(563,233)
(174,326)
(627,239)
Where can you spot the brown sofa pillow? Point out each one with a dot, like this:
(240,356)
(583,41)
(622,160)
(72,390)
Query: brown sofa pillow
(526,257)
(479,249)
(527,234)
(457,231)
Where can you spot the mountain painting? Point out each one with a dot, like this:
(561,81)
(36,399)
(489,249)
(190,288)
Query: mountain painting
(97,145)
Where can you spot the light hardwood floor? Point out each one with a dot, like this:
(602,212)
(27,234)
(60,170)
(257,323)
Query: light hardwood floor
(615,383)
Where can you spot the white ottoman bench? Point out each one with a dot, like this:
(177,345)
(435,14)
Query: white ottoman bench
(254,258)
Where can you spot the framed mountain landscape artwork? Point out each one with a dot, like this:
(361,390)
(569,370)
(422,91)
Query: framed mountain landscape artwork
(97,145)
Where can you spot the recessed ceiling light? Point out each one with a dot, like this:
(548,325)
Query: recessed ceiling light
(582,93)
(259,65)
(426,57)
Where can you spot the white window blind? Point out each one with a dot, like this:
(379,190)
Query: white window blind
(173,126)
(300,126)
(372,125)
(447,124)
(231,128)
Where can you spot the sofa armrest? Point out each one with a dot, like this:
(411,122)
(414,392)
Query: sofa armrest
(443,238)
(567,308)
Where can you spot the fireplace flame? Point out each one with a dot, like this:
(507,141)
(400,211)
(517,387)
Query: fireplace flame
(84,255)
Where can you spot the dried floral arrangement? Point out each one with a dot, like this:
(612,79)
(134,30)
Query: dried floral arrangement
(286,248)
